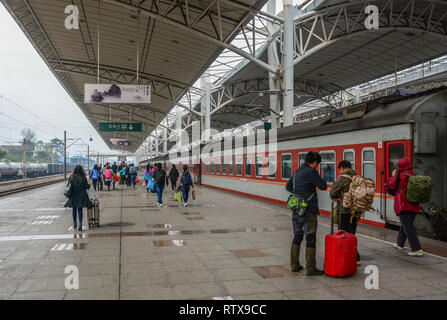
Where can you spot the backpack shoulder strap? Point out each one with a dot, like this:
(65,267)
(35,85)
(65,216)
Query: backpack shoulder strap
(346,176)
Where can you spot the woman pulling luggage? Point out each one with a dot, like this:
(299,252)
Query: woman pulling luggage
(77,195)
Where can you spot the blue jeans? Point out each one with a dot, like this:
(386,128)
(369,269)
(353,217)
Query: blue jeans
(132,179)
(79,211)
(159,189)
(185,191)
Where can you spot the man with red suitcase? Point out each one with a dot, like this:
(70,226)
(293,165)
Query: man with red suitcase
(303,184)
(347,220)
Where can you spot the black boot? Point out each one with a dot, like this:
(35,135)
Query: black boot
(311,264)
(295,258)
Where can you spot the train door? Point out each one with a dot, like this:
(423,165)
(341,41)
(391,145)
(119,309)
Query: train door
(395,150)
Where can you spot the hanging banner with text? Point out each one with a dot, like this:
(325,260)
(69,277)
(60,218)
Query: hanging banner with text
(116,93)
(121,142)
(120,127)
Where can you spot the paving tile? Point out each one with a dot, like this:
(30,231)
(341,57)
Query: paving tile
(244,287)
(38,295)
(275,271)
(312,294)
(105,293)
(249,253)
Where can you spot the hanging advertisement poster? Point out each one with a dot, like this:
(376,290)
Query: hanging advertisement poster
(116,93)
(121,142)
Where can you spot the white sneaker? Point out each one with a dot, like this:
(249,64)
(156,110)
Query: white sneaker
(397,247)
(185,205)
(160,205)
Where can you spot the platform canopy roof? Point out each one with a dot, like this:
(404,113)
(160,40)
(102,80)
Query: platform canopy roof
(334,51)
(175,41)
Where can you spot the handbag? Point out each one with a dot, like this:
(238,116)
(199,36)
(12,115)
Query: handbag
(136,180)
(151,185)
(178,196)
(193,194)
(68,190)
(144,182)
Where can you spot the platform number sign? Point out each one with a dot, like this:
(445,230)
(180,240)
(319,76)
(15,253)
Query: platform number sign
(372,20)
(72,20)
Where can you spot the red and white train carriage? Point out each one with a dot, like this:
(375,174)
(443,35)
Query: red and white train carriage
(373,135)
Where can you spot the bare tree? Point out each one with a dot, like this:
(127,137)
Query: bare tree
(29,138)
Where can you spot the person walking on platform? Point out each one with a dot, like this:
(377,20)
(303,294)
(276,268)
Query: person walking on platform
(303,183)
(186,182)
(348,220)
(405,210)
(100,177)
(77,195)
(108,177)
(159,178)
(115,171)
(127,174)
(148,175)
(173,176)
(94,174)
(133,174)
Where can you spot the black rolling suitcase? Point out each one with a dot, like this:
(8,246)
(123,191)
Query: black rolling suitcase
(93,213)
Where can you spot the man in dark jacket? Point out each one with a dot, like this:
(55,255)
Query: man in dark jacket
(159,177)
(303,183)
(173,176)
(347,220)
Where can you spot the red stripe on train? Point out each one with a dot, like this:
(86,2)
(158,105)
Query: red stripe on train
(325,212)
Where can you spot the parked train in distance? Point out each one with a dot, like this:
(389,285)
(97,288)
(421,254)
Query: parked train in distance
(15,170)
(373,135)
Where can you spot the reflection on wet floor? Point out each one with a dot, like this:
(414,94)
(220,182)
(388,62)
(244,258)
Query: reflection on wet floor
(197,218)
(191,213)
(40,222)
(163,226)
(213,298)
(48,217)
(139,234)
(274,271)
(169,243)
(69,246)
(249,253)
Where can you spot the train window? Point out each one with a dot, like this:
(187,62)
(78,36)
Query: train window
(212,167)
(208,168)
(286,166)
(271,166)
(301,159)
(224,167)
(239,166)
(248,166)
(396,152)
(231,166)
(327,166)
(217,168)
(350,156)
(369,164)
(258,166)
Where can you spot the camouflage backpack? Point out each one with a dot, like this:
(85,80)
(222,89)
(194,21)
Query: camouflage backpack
(361,193)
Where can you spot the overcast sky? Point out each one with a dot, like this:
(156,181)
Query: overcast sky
(26,80)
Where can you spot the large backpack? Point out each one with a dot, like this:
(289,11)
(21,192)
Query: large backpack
(133,169)
(186,179)
(108,174)
(361,193)
(94,174)
(160,176)
(418,188)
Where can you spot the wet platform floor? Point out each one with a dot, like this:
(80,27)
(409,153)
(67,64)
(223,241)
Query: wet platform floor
(222,246)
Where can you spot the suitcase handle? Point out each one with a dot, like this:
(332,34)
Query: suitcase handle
(332,214)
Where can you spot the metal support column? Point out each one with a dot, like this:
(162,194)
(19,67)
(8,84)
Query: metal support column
(274,85)
(165,141)
(179,129)
(88,159)
(288,63)
(65,155)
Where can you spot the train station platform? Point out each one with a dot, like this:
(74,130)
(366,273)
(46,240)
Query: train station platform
(222,246)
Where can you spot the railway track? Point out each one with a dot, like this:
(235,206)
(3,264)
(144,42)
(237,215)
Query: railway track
(30,184)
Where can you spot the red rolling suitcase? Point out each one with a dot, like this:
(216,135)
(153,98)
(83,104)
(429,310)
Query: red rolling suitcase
(340,251)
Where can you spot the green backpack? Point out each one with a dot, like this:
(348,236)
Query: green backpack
(418,188)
